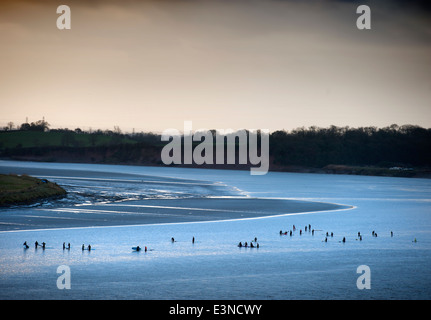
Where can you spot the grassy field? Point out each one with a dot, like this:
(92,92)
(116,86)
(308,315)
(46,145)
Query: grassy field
(16,189)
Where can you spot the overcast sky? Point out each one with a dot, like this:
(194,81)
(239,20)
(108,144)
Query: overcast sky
(254,64)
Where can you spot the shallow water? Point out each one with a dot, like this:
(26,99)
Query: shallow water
(283,267)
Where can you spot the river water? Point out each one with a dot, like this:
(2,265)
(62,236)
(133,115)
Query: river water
(301,266)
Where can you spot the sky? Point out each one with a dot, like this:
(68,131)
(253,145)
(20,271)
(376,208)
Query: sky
(222,64)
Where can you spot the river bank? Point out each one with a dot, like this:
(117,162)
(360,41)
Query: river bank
(24,189)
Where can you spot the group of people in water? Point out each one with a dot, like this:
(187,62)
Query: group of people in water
(300,230)
(138,248)
(374,234)
(251,245)
(43,245)
(36,245)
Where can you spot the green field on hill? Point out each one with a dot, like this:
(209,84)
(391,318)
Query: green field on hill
(29,139)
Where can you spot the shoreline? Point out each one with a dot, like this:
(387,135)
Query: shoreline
(373,171)
(22,189)
(174,223)
(159,212)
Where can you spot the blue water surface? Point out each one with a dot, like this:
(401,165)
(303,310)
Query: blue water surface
(283,267)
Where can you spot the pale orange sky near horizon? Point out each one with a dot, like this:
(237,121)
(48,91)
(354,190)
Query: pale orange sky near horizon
(262,64)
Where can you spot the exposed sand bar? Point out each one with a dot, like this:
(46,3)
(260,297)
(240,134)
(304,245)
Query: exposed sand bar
(103,196)
(155,211)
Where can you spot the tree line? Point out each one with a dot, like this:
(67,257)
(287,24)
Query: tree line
(405,146)
(394,145)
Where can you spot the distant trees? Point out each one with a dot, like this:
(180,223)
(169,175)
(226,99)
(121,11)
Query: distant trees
(392,146)
(316,147)
(40,125)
